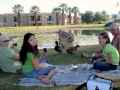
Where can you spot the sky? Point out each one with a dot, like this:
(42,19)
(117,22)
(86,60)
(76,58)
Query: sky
(110,6)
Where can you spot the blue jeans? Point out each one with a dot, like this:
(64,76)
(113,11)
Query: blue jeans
(104,66)
(34,73)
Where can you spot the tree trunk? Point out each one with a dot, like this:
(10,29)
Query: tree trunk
(63,17)
(75,17)
(70,18)
(35,18)
(57,22)
(19,21)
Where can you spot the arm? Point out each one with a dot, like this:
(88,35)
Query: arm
(16,58)
(118,48)
(100,55)
(100,59)
(100,51)
(36,66)
(110,57)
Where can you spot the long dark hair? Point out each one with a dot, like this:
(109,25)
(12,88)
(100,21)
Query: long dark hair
(106,36)
(26,47)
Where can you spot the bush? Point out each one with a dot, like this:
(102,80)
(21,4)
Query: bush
(108,24)
(100,22)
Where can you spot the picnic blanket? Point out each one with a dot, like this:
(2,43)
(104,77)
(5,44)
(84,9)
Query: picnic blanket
(67,75)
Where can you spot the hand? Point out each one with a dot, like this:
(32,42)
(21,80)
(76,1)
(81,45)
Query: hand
(44,64)
(95,61)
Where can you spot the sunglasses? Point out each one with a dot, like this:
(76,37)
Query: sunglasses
(6,41)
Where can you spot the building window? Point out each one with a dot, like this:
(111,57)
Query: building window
(15,19)
(50,18)
(39,24)
(15,25)
(5,19)
(59,18)
(38,18)
(31,18)
(49,24)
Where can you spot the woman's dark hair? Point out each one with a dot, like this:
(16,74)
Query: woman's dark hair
(106,36)
(26,47)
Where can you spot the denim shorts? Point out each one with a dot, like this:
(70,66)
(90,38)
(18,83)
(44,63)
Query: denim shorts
(34,73)
(104,66)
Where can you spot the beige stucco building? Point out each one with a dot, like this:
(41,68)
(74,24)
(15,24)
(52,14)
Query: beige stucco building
(27,19)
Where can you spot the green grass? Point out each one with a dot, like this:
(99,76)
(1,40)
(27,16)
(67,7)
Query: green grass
(45,34)
(30,28)
(7,80)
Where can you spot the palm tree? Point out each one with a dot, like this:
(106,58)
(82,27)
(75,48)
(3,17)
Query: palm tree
(35,10)
(18,9)
(75,10)
(56,11)
(70,10)
(63,6)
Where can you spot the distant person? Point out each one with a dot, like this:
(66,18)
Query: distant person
(111,55)
(115,31)
(29,56)
(9,61)
(1,24)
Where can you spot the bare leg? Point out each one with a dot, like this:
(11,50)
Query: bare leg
(86,55)
(90,56)
(49,75)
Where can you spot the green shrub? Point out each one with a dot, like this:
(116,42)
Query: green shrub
(100,22)
(108,24)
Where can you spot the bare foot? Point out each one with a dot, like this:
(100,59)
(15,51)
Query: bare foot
(46,81)
(41,77)
(84,55)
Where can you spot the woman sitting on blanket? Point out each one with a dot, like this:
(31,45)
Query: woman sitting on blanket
(29,55)
(110,53)
(9,61)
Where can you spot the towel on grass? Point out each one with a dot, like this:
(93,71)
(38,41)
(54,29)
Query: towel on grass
(67,75)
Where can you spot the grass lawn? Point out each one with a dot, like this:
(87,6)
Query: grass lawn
(56,59)
(7,80)
(30,28)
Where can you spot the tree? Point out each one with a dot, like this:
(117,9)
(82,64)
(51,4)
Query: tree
(114,16)
(75,10)
(70,10)
(35,10)
(56,11)
(18,9)
(105,17)
(97,16)
(63,7)
(104,12)
(87,17)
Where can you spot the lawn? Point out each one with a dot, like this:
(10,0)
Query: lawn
(45,35)
(7,80)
